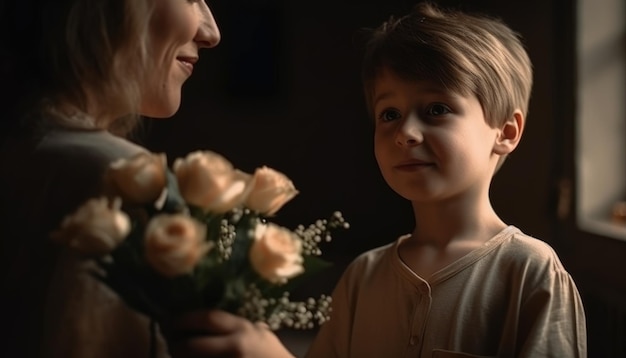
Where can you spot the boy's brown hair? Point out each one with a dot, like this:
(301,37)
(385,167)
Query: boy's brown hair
(465,53)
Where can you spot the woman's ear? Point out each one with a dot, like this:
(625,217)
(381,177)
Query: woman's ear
(510,134)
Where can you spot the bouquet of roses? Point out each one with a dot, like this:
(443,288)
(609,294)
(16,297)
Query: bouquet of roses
(198,236)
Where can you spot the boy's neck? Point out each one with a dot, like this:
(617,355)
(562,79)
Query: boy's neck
(445,232)
(443,223)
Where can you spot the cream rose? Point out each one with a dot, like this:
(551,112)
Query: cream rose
(276,253)
(96,228)
(270,190)
(175,243)
(140,179)
(209,181)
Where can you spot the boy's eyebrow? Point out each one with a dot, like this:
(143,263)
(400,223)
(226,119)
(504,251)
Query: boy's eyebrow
(382,96)
(431,89)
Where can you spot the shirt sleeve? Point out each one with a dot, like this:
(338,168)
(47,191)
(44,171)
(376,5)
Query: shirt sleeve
(552,320)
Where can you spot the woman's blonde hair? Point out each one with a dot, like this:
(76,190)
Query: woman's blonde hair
(67,52)
(468,54)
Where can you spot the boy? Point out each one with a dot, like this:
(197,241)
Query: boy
(449,93)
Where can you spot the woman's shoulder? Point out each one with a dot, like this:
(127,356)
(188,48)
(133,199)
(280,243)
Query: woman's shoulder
(88,146)
(59,169)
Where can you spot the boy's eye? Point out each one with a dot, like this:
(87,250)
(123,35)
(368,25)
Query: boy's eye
(389,115)
(438,109)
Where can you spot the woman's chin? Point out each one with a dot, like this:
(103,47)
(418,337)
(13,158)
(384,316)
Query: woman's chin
(163,110)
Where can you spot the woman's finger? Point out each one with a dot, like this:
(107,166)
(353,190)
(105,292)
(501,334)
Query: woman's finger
(202,346)
(210,321)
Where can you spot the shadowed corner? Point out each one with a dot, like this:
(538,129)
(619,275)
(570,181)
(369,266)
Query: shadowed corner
(297,341)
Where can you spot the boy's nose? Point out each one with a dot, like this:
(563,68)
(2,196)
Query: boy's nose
(208,34)
(410,132)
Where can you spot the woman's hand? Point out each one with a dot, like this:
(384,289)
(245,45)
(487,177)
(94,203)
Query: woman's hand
(214,333)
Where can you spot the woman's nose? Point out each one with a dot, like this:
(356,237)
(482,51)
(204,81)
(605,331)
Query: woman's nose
(208,34)
(410,132)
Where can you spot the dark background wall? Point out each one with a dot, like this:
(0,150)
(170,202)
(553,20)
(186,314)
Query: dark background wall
(282,89)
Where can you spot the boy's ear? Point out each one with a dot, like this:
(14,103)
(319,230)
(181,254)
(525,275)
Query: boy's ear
(510,134)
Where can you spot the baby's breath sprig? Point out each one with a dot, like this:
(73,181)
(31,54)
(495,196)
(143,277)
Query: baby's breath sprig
(319,231)
(228,230)
(337,221)
(300,314)
(227,236)
(282,312)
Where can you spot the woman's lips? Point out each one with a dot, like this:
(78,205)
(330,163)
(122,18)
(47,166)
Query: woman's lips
(187,63)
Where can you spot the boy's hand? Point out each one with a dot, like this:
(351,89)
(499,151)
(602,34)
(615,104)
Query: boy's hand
(213,333)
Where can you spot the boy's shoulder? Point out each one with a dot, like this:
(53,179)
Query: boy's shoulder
(521,249)
(528,245)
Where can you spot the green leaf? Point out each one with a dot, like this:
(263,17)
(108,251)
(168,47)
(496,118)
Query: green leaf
(312,265)
(233,293)
(239,263)
(174,202)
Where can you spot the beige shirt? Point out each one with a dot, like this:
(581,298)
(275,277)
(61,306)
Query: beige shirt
(50,305)
(509,298)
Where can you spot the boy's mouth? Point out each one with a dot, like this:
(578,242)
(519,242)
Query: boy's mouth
(413,164)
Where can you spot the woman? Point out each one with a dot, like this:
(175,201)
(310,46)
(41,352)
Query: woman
(79,73)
